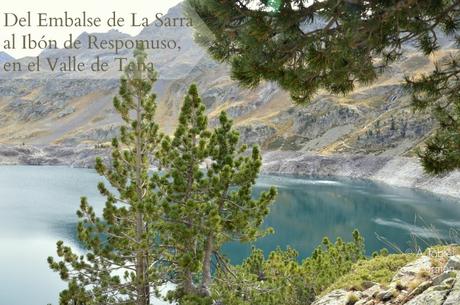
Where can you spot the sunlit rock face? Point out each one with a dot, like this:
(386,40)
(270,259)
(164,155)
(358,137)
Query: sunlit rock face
(420,282)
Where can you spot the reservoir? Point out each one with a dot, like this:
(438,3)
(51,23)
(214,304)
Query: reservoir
(38,206)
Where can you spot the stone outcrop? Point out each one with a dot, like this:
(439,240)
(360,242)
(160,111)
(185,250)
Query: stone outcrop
(418,283)
(336,297)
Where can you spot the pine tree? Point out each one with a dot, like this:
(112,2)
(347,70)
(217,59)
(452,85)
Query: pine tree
(440,91)
(207,207)
(185,203)
(310,45)
(334,45)
(164,227)
(121,248)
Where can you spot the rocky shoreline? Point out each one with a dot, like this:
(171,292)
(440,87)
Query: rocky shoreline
(395,171)
(82,156)
(429,280)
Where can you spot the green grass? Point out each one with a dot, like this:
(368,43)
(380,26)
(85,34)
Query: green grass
(380,269)
(352,299)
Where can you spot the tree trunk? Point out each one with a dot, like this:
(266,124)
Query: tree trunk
(142,285)
(206,280)
(189,288)
(142,289)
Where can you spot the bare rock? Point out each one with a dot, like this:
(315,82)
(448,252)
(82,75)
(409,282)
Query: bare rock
(443,276)
(410,271)
(454,296)
(372,291)
(420,289)
(336,297)
(432,296)
(387,295)
(453,263)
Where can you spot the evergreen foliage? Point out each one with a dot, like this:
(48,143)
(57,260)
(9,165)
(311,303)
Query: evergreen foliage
(281,279)
(309,45)
(166,226)
(440,91)
(207,208)
(334,45)
(332,260)
(380,269)
(118,266)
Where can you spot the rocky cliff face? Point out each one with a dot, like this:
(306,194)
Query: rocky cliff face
(425,281)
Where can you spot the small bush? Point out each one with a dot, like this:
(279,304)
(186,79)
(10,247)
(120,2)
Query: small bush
(399,286)
(281,279)
(423,274)
(380,269)
(352,299)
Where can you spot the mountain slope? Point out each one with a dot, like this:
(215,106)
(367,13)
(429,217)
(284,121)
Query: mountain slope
(51,108)
(5,57)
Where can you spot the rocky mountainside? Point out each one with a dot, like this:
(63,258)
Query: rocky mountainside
(43,108)
(4,57)
(50,108)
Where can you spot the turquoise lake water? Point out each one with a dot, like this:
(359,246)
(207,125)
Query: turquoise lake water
(38,204)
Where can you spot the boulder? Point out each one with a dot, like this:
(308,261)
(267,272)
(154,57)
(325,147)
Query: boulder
(420,289)
(387,295)
(336,297)
(453,263)
(372,291)
(454,296)
(432,296)
(443,276)
(411,270)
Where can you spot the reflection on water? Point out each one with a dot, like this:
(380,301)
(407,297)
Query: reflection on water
(38,207)
(308,210)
